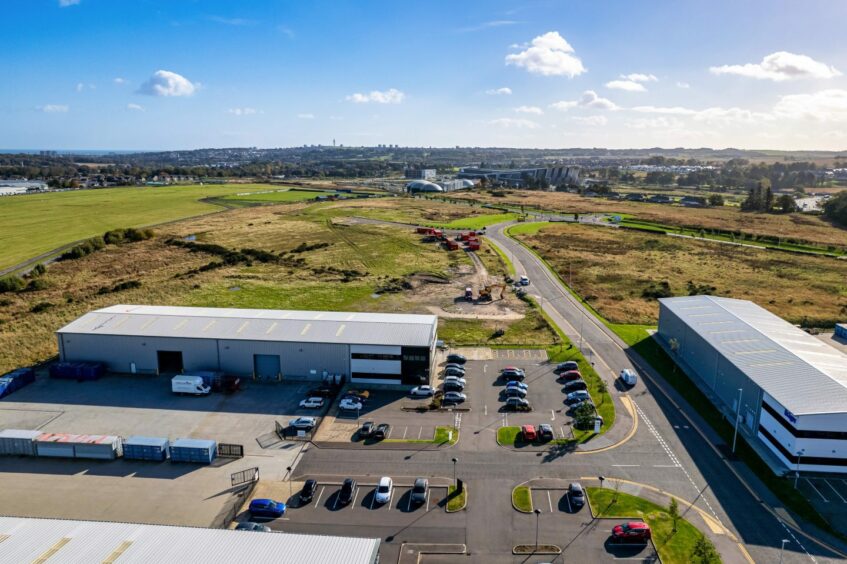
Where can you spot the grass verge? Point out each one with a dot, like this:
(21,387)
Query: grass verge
(509,266)
(522,499)
(457,502)
(442,436)
(479,221)
(673,547)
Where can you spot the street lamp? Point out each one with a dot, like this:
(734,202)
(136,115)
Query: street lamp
(601,478)
(737,417)
(455,460)
(782,549)
(289,481)
(537,516)
(797,472)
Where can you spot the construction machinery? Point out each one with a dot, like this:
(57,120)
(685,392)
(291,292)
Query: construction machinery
(487,292)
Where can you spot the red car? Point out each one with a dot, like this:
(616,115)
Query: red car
(632,531)
(528,432)
(570,376)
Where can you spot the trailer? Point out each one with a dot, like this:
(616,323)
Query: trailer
(473,245)
(451,245)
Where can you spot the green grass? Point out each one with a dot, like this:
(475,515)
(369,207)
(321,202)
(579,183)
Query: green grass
(441,436)
(522,499)
(510,268)
(533,330)
(278,195)
(529,228)
(479,221)
(673,547)
(38,223)
(458,502)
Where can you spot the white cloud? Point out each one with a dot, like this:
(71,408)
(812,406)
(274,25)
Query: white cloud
(655,123)
(726,116)
(513,123)
(80,87)
(54,108)
(595,121)
(529,110)
(120,81)
(486,25)
(390,96)
(242,111)
(627,85)
(780,66)
(135,107)
(589,99)
(505,91)
(167,83)
(286,31)
(306,116)
(673,110)
(564,105)
(548,55)
(826,105)
(66,3)
(639,77)
(683,85)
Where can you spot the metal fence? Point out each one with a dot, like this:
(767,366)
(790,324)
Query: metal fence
(228,450)
(245,476)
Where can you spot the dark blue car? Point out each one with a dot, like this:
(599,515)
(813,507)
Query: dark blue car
(267,508)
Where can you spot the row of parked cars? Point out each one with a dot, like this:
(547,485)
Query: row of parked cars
(515,391)
(453,383)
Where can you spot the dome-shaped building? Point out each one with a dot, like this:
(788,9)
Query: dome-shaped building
(423,186)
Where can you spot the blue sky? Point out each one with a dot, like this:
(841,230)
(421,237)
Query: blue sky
(170,74)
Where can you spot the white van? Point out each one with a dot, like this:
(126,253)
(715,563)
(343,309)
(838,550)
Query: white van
(628,377)
(524,281)
(187,384)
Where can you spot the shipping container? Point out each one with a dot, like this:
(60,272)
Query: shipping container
(77,370)
(15,380)
(146,448)
(62,445)
(199,451)
(18,442)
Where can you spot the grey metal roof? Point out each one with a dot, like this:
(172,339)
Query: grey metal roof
(802,373)
(27,540)
(258,325)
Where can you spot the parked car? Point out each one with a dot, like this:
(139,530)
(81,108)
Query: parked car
(528,433)
(321,392)
(422,391)
(513,373)
(576,494)
(384,490)
(566,366)
(367,429)
(452,386)
(580,403)
(348,488)
(381,431)
(312,403)
(632,531)
(251,526)
(524,281)
(570,376)
(457,379)
(516,384)
(419,491)
(514,393)
(454,365)
(575,386)
(545,432)
(303,423)
(517,404)
(577,396)
(452,371)
(350,404)
(267,508)
(628,377)
(456,358)
(308,491)
(453,397)
(363,395)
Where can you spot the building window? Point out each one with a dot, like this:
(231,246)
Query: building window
(810,460)
(375,356)
(800,434)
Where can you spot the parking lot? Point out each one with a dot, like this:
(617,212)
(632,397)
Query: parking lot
(827,493)
(146,492)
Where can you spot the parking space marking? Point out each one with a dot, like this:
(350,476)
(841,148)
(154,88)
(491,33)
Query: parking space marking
(335,503)
(666,466)
(568,498)
(836,491)
(562,429)
(552,415)
(420,432)
(388,435)
(626,465)
(550,501)
(816,490)
(428,492)
(356,495)
(404,431)
(485,409)
(317,501)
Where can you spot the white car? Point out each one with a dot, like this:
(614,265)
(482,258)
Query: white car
(455,365)
(350,404)
(422,391)
(312,403)
(524,281)
(454,397)
(304,423)
(456,379)
(384,490)
(628,377)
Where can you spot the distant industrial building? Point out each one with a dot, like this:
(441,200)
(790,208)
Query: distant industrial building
(420,173)
(371,348)
(441,186)
(555,176)
(457,184)
(37,540)
(788,389)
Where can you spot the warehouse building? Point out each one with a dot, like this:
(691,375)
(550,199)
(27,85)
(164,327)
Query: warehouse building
(368,348)
(787,388)
(36,540)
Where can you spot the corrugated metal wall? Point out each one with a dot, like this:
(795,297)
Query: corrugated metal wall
(119,353)
(297,360)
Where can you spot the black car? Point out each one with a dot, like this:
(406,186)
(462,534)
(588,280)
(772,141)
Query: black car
(381,431)
(367,429)
(514,393)
(576,494)
(308,491)
(322,392)
(545,432)
(419,490)
(566,366)
(517,404)
(574,386)
(456,358)
(453,386)
(345,496)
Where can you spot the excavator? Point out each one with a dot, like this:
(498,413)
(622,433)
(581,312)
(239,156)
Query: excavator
(486,293)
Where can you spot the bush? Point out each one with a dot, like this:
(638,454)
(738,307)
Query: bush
(128,285)
(657,290)
(83,249)
(37,270)
(700,289)
(11,284)
(37,284)
(41,306)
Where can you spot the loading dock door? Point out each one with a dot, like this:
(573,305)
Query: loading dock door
(169,362)
(266,366)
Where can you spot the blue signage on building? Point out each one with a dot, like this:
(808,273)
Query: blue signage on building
(791,417)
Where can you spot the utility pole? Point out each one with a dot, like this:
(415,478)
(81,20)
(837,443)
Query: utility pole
(537,516)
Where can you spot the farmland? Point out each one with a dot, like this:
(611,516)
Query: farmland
(38,223)
(620,271)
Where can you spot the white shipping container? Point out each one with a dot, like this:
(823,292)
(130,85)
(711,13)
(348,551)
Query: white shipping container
(16,442)
(54,450)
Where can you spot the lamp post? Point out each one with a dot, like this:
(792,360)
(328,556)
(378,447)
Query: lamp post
(797,472)
(455,460)
(601,478)
(288,469)
(537,516)
(782,549)
(737,417)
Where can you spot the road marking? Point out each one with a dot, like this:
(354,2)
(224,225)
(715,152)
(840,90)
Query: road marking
(355,496)
(388,435)
(552,415)
(484,368)
(485,409)
(404,431)
(550,501)
(667,466)
(335,503)
(836,491)
(428,492)
(390,499)
(816,490)
(626,465)
(409,505)
(420,433)
(317,501)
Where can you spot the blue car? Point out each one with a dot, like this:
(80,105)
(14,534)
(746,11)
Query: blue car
(516,384)
(267,508)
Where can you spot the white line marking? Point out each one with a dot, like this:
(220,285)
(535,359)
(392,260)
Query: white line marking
(552,415)
(335,503)
(816,490)
(355,496)
(388,434)
(836,491)
(390,499)
(667,466)
(420,432)
(626,465)
(428,492)
(409,505)
(317,501)
(550,501)
(404,431)
(485,409)
(485,368)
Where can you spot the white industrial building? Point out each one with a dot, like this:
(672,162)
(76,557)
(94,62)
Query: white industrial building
(788,389)
(37,540)
(373,348)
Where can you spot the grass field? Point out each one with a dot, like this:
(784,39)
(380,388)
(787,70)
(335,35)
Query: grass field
(276,195)
(479,221)
(522,499)
(674,547)
(414,211)
(38,223)
(456,502)
(612,268)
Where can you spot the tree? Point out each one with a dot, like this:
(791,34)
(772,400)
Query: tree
(786,204)
(704,552)
(835,209)
(673,511)
(716,200)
